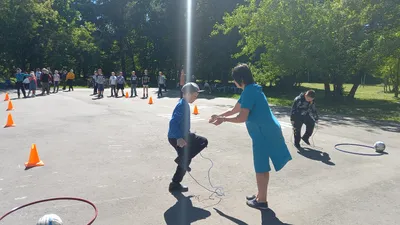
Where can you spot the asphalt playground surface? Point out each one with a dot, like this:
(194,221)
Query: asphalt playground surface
(115,153)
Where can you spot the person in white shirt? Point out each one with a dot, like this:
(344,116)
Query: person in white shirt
(161,83)
(56,81)
(113,84)
(100,83)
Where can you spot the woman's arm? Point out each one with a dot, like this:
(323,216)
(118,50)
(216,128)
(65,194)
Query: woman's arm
(233,111)
(241,118)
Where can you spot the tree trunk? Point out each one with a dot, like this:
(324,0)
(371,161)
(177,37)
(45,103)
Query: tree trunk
(353,90)
(327,88)
(356,84)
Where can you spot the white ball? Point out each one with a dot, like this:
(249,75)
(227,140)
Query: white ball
(379,146)
(50,219)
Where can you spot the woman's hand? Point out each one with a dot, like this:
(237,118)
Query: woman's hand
(213,118)
(218,121)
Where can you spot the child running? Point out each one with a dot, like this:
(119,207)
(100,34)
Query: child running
(263,128)
(186,144)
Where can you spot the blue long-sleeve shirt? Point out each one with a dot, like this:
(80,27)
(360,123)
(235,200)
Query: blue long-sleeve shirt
(179,125)
(20,76)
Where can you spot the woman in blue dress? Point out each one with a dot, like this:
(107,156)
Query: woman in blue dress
(263,128)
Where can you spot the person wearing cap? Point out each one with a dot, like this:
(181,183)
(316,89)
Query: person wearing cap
(186,144)
(263,128)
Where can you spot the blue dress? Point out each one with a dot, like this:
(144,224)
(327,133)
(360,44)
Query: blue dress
(264,130)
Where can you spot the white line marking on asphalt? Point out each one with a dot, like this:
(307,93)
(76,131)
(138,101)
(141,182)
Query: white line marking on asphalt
(20,198)
(27,176)
(1,179)
(1,189)
(21,186)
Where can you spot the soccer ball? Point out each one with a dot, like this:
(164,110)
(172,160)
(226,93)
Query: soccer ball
(379,146)
(50,219)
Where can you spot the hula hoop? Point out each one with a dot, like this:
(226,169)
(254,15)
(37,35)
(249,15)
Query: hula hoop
(55,199)
(356,153)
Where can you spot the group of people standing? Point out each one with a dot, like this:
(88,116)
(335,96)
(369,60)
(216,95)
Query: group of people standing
(118,83)
(42,79)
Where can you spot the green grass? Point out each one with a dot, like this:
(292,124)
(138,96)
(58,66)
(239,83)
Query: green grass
(370,101)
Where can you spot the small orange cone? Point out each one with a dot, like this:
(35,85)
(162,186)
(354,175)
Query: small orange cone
(10,121)
(195,111)
(7,97)
(150,100)
(126,95)
(34,159)
(10,106)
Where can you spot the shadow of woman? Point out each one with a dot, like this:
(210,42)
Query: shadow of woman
(316,155)
(183,212)
(268,217)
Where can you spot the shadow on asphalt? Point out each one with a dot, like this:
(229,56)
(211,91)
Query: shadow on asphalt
(316,155)
(268,217)
(183,212)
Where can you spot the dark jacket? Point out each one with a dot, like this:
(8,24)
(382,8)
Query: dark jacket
(302,108)
(44,78)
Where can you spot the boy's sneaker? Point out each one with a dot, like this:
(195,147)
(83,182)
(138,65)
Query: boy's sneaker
(181,164)
(306,141)
(257,205)
(177,187)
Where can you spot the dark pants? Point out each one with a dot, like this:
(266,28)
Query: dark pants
(94,88)
(56,86)
(180,89)
(113,90)
(45,88)
(165,87)
(133,90)
(298,123)
(70,84)
(20,86)
(195,144)
(160,87)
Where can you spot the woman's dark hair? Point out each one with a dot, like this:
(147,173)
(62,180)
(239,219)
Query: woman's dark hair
(242,74)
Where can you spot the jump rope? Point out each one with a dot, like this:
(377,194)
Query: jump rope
(219,191)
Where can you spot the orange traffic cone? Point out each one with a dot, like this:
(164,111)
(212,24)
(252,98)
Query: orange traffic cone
(195,111)
(7,97)
(10,106)
(150,100)
(10,121)
(34,159)
(126,95)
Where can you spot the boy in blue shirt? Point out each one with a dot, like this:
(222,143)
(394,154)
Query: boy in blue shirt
(186,144)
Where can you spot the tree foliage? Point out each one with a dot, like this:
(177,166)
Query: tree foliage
(285,42)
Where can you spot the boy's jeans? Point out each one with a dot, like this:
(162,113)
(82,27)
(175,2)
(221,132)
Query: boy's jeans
(133,90)
(113,90)
(195,144)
